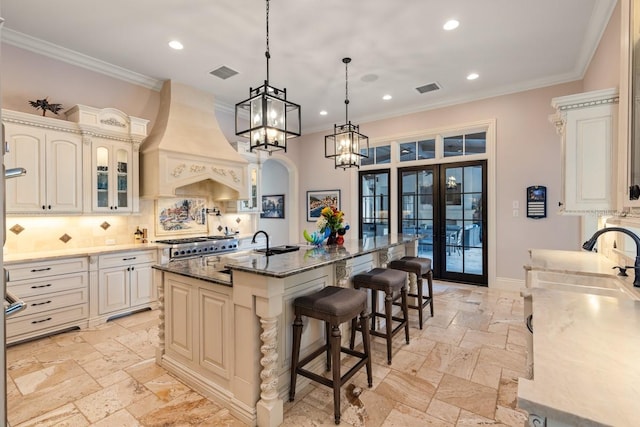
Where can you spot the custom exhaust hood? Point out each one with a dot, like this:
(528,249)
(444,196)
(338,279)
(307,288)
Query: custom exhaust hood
(186,153)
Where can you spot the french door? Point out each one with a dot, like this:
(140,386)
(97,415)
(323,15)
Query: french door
(446,205)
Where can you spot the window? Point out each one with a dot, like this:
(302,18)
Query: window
(465,145)
(377,155)
(417,150)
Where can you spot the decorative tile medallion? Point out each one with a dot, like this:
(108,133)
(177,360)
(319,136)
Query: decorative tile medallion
(65,237)
(238,220)
(220,228)
(17,229)
(105,225)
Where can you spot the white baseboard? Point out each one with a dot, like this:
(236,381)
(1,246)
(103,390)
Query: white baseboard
(508,284)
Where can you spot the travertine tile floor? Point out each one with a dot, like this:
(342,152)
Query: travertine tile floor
(460,370)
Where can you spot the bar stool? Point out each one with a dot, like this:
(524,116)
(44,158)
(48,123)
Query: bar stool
(334,306)
(421,267)
(387,281)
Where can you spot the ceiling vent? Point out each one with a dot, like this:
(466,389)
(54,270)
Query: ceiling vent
(428,87)
(223,72)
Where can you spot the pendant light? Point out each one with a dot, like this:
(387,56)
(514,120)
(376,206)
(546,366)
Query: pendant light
(266,117)
(346,144)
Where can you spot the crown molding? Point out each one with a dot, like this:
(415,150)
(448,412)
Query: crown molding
(69,56)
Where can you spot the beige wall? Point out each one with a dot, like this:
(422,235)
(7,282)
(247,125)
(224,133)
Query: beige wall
(604,70)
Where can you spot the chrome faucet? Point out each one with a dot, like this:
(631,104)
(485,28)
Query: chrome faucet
(590,244)
(267,253)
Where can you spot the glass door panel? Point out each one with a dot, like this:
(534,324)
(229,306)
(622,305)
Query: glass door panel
(102,177)
(464,221)
(416,188)
(374,205)
(122,158)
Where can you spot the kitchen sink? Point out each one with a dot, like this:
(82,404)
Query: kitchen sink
(588,284)
(277,250)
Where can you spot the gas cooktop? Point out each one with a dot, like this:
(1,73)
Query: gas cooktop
(200,246)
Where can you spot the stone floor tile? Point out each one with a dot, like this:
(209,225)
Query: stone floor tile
(405,416)
(444,411)
(109,400)
(120,418)
(452,360)
(407,389)
(66,415)
(468,395)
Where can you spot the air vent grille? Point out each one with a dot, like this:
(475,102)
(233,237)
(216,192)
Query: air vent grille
(428,87)
(223,72)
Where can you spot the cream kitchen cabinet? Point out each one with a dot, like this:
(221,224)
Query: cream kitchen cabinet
(56,294)
(199,326)
(587,123)
(112,177)
(253,203)
(51,152)
(125,283)
(112,141)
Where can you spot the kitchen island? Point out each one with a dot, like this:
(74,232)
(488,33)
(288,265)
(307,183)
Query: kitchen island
(232,340)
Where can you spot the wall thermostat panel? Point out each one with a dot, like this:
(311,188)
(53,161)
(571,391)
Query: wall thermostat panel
(537,202)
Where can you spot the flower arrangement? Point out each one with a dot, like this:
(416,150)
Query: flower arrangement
(332,219)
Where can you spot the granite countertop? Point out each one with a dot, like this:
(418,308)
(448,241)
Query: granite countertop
(586,351)
(287,264)
(10,258)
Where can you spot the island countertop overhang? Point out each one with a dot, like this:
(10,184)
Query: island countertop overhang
(287,264)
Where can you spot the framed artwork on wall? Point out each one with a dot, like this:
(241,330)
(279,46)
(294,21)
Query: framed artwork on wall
(273,206)
(317,200)
(181,215)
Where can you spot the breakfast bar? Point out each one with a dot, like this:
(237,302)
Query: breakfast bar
(232,339)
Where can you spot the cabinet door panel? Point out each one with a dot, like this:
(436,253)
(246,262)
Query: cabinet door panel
(64,173)
(142,285)
(214,327)
(113,290)
(26,150)
(179,322)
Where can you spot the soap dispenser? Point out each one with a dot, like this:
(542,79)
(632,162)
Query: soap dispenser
(138,235)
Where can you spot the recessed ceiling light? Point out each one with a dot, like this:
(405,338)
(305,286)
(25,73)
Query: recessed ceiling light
(473,76)
(451,24)
(387,97)
(175,44)
(323,113)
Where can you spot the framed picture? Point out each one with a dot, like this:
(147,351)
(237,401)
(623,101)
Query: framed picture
(316,200)
(181,215)
(272,206)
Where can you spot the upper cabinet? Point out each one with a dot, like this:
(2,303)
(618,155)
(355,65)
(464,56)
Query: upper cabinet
(112,177)
(89,163)
(587,123)
(51,152)
(112,145)
(252,204)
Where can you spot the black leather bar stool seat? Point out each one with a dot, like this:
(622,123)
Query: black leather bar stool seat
(394,284)
(421,267)
(334,306)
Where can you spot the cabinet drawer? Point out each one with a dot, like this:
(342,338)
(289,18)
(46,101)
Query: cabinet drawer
(126,258)
(41,304)
(32,270)
(51,319)
(39,287)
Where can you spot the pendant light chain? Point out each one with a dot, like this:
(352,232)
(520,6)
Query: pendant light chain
(267,54)
(346,88)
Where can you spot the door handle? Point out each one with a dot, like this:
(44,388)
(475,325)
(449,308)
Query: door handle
(15,304)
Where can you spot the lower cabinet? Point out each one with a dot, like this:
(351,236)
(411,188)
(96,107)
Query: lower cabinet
(198,324)
(56,295)
(125,281)
(77,292)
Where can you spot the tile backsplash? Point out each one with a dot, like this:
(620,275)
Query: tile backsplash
(44,233)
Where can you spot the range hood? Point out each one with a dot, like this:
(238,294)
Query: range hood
(186,153)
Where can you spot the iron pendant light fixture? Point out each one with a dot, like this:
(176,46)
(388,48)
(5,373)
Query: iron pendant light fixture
(346,145)
(266,117)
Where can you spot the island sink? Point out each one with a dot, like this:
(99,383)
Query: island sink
(277,250)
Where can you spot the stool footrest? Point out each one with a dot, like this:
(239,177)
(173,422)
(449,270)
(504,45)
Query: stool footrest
(324,380)
(394,331)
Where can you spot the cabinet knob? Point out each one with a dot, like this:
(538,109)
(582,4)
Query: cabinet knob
(560,203)
(111,207)
(44,207)
(49,207)
(115,207)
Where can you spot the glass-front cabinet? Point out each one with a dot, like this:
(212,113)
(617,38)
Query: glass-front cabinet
(112,178)
(251,204)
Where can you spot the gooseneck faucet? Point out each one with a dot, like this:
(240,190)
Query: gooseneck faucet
(267,253)
(589,245)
